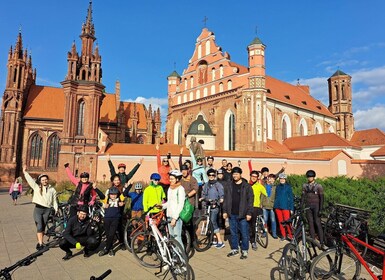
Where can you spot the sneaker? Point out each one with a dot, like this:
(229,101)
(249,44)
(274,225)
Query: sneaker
(282,239)
(233,253)
(214,243)
(39,246)
(103,253)
(220,245)
(254,246)
(67,256)
(111,253)
(86,254)
(244,255)
(122,247)
(275,237)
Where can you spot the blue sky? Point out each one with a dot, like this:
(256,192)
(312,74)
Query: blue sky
(141,40)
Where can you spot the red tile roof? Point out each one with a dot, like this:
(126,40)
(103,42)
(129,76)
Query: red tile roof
(294,95)
(45,103)
(108,108)
(379,153)
(275,147)
(368,137)
(320,155)
(317,141)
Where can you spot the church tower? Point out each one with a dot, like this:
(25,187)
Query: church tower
(340,103)
(20,77)
(83,90)
(254,98)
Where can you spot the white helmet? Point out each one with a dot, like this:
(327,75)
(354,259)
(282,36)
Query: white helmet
(138,186)
(176,173)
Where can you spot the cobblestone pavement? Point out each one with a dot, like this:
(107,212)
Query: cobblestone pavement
(18,240)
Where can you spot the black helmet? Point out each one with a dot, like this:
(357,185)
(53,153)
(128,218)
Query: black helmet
(184,167)
(254,172)
(310,173)
(210,171)
(113,190)
(264,169)
(84,175)
(83,208)
(236,169)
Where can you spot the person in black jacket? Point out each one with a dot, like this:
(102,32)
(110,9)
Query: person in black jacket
(124,177)
(238,207)
(79,234)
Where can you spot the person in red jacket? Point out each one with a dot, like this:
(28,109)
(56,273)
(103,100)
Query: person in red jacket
(163,169)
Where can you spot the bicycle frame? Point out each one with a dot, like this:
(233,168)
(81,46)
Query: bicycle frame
(346,239)
(206,226)
(161,241)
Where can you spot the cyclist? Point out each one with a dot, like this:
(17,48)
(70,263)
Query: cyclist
(238,207)
(210,163)
(79,233)
(284,205)
(174,205)
(112,214)
(198,172)
(124,177)
(84,193)
(313,197)
(136,200)
(44,198)
(213,191)
(267,203)
(153,194)
(163,169)
(258,190)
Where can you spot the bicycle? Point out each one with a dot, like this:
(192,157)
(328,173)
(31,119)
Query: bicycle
(203,228)
(6,274)
(344,260)
(57,223)
(298,254)
(261,234)
(161,250)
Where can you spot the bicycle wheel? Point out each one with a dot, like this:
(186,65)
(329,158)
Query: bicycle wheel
(186,239)
(145,249)
(332,263)
(204,234)
(179,266)
(261,235)
(55,227)
(292,264)
(131,228)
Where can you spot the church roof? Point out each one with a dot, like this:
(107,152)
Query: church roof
(317,141)
(199,127)
(45,102)
(379,153)
(108,108)
(294,95)
(128,109)
(368,137)
(174,74)
(256,41)
(339,73)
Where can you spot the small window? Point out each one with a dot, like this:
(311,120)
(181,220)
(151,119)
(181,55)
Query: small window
(304,103)
(287,97)
(201,127)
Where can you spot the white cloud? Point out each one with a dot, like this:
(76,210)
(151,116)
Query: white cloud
(47,82)
(371,118)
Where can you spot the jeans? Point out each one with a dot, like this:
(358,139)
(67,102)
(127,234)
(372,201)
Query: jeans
(269,213)
(239,226)
(176,232)
(214,218)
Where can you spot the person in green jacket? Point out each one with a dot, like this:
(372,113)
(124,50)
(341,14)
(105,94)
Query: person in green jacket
(153,195)
(124,177)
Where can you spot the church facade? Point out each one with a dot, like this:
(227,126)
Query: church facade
(244,107)
(44,127)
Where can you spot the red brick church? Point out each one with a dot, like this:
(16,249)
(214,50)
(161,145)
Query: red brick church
(39,123)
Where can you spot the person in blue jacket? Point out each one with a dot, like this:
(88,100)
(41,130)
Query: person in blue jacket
(136,200)
(283,205)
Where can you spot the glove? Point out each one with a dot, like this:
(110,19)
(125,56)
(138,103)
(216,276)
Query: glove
(66,165)
(78,246)
(168,155)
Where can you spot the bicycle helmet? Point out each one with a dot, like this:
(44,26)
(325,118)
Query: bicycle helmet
(138,186)
(236,169)
(176,173)
(310,173)
(41,176)
(121,165)
(282,176)
(84,175)
(184,167)
(113,190)
(210,157)
(199,158)
(264,169)
(155,176)
(210,171)
(254,172)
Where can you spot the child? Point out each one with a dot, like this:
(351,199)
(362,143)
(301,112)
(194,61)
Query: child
(136,200)
(112,214)
(16,189)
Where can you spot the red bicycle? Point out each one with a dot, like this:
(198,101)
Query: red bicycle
(344,260)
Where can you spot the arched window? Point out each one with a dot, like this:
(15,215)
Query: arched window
(318,128)
(53,152)
(343,92)
(199,51)
(269,125)
(303,127)
(221,71)
(207,47)
(204,92)
(191,96)
(185,98)
(212,89)
(229,131)
(36,150)
(286,127)
(198,94)
(220,87)
(212,74)
(179,99)
(229,85)
(331,129)
(336,91)
(177,133)
(81,113)
(185,84)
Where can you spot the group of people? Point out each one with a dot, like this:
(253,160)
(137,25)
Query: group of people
(237,201)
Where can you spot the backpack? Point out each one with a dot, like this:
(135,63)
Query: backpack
(188,210)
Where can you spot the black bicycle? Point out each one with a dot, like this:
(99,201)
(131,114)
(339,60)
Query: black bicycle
(6,273)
